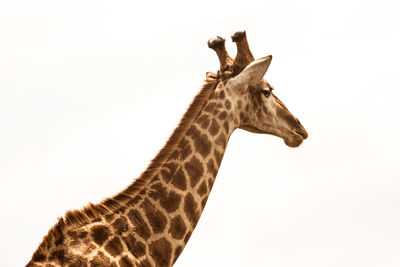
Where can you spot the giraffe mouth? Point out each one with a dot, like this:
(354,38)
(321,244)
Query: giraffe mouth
(297,138)
(302,132)
(294,141)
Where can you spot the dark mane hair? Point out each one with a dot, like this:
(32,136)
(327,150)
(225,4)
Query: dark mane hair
(91,212)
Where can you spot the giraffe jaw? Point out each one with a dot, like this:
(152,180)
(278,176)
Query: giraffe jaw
(294,140)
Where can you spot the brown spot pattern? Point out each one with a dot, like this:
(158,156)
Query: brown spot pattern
(221,140)
(126,262)
(177,228)
(166,175)
(171,166)
(193,132)
(160,251)
(222,115)
(100,233)
(129,241)
(175,155)
(203,121)
(155,217)
(144,263)
(139,248)
(203,202)
(169,200)
(186,149)
(259,114)
(178,252)
(264,108)
(77,234)
(58,255)
(226,127)
(61,239)
(203,145)
(218,157)
(136,247)
(210,183)
(211,167)
(39,257)
(195,170)
(228,104)
(179,179)
(239,104)
(77,261)
(210,107)
(100,260)
(201,142)
(120,225)
(170,170)
(114,247)
(214,128)
(140,225)
(187,236)
(202,190)
(191,210)
(109,217)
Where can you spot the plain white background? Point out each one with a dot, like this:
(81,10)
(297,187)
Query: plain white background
(90,91)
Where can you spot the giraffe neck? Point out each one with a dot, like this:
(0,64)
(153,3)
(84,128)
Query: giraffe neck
(150,222)
(173,201)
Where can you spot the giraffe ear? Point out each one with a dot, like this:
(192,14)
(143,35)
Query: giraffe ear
(252,74)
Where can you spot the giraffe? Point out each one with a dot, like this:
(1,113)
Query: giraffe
(150,222)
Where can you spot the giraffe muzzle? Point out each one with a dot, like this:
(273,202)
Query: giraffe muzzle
(294,141)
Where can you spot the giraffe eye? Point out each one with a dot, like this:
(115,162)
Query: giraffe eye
(266,93)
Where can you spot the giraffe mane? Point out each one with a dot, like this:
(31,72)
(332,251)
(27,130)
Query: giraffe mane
(91,212)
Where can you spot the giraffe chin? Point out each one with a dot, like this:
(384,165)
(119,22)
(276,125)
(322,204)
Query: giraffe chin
(294,141)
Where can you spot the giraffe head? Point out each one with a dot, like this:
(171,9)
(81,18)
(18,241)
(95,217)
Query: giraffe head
(257,108)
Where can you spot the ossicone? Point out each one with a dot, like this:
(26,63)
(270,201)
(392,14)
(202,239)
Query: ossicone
(243,56)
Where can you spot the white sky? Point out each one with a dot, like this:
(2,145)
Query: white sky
(90,91)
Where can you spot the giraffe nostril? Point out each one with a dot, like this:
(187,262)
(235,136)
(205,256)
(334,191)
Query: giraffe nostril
(305,134)
(301,131)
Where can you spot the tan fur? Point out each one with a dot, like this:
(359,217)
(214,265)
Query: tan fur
(109,205)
